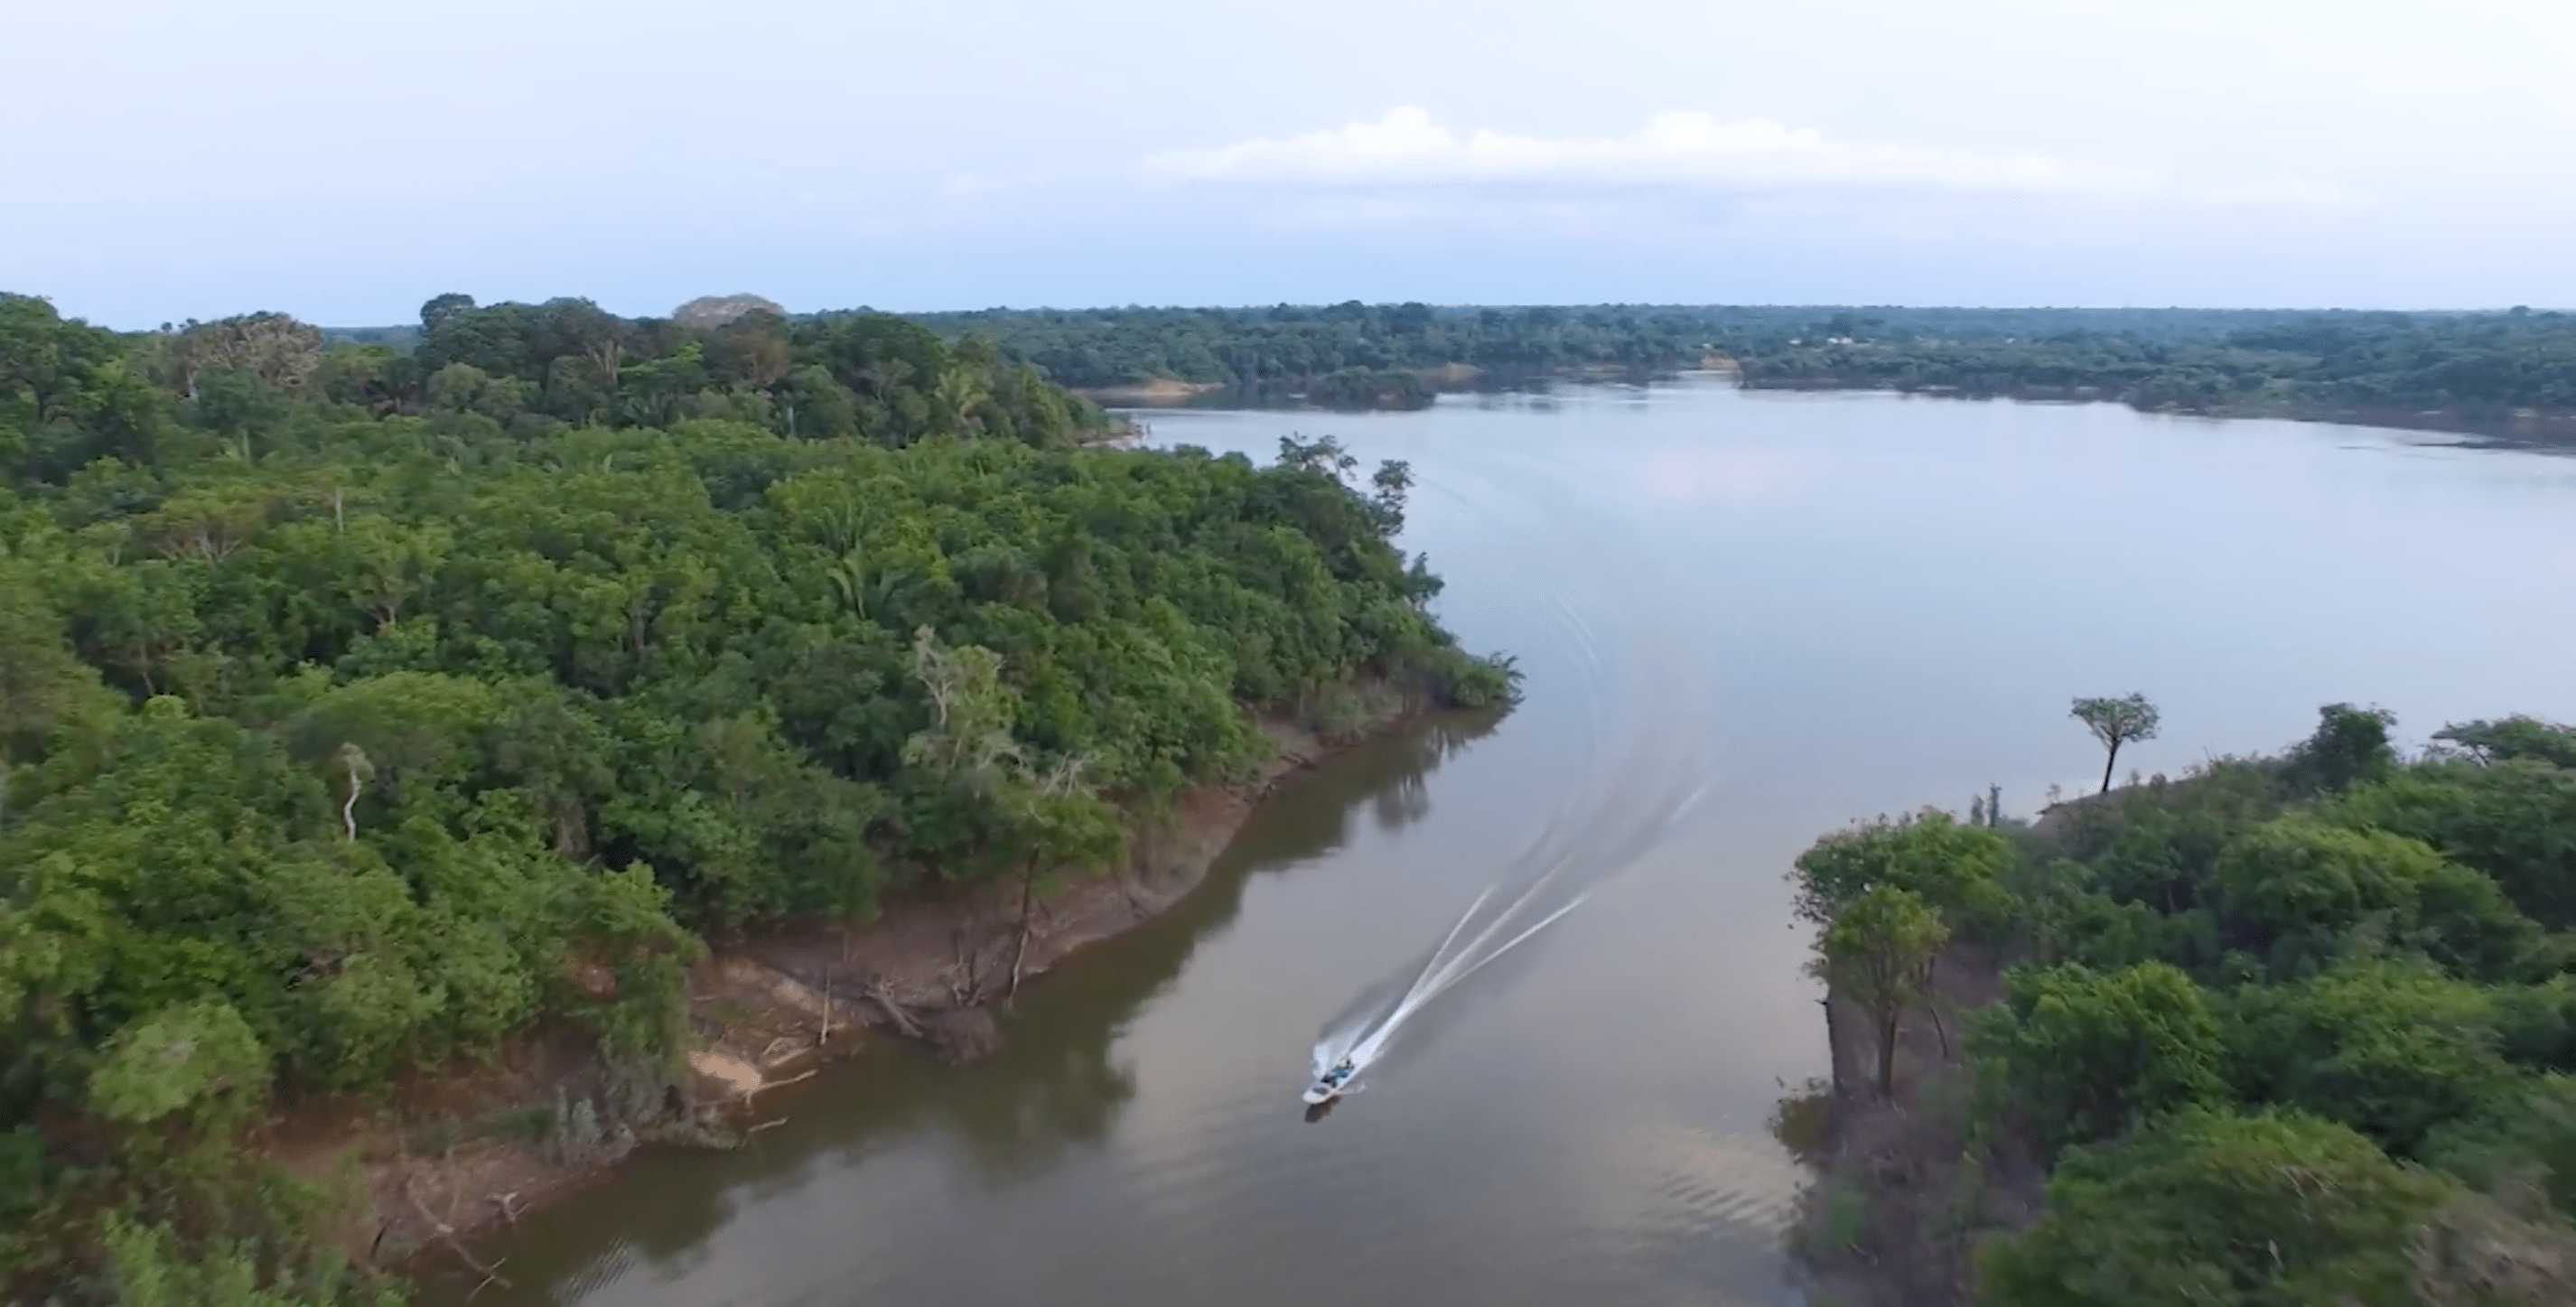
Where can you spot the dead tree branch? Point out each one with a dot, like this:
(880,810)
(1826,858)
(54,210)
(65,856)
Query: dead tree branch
(447,1235)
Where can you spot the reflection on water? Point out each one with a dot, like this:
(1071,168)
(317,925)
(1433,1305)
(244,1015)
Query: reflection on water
(1054,1088)
(1492,387)
(1864,601)
(1803,1117)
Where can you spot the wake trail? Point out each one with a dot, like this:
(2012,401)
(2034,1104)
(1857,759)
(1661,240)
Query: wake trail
(1643,767)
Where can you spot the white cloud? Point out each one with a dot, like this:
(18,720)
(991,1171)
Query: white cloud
(1406,149)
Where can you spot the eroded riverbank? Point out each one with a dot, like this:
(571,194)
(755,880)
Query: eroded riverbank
(450,1158)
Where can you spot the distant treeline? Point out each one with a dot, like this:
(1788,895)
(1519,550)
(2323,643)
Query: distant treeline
(2187,360)
(2197,360)
(2475,364)
(1248,347)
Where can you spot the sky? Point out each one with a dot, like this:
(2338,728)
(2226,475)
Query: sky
(346,162)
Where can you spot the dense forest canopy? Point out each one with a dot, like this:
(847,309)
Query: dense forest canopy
(2292,1030)
(364,709)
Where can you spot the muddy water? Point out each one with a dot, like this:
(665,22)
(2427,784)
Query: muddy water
(1863,602)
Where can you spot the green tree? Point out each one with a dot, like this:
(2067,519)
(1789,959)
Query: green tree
(2088,1055)
(2303,894)
(2525,1136)
(1955,867)
(199,1057)
(2514,820)
(2391,1048)
(2116,722)
(2514,737)
(1879,953)
(2265,1211)
(2350,748)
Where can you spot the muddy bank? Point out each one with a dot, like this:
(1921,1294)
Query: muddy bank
(1897,1204)
(445,1157)
(1161,390)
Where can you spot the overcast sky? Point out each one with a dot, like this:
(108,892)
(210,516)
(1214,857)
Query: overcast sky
(344,162)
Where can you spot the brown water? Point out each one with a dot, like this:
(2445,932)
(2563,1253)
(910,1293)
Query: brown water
(1865,603)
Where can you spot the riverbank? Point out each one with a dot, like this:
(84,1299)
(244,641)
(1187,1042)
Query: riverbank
(2520,428)
(1161,390)
(1897,1203)
(447,1157)
(1381,390)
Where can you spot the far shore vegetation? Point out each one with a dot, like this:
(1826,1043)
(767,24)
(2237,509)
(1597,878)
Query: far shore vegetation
(2509,372)
(2468,369)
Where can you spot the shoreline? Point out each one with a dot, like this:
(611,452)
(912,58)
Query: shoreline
(2521,428)
(1892,1213)
(457,1155)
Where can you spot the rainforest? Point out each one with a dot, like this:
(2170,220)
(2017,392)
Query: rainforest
(367,710)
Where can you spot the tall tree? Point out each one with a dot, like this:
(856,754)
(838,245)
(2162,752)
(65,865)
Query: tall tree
(2116,722)
(1879,954)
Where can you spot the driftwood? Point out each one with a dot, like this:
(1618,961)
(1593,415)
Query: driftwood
(969,964)
(878,991)
(447,1234)
(754,1091)
(1028,902)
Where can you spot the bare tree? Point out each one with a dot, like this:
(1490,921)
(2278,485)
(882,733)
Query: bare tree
(360,772)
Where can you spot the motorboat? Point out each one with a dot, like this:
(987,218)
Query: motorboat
(1332,1084)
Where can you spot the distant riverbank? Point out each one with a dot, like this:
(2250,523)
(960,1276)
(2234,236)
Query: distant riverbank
(1354,390)
(2507,427)
(2484,424)
(2509,375)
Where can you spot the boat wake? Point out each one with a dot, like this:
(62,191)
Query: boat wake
(1614,818)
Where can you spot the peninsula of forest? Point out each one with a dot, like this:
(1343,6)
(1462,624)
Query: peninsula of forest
(402,741)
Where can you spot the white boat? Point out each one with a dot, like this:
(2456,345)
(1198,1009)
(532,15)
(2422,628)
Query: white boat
(1331,1084)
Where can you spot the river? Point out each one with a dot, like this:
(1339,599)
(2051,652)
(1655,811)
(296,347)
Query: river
(1860,602)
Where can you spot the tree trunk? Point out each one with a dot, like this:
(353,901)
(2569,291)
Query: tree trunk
(2108,764)
(1887,1053)
(1028,897)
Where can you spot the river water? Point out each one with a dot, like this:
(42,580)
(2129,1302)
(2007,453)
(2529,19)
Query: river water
(1859,603)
